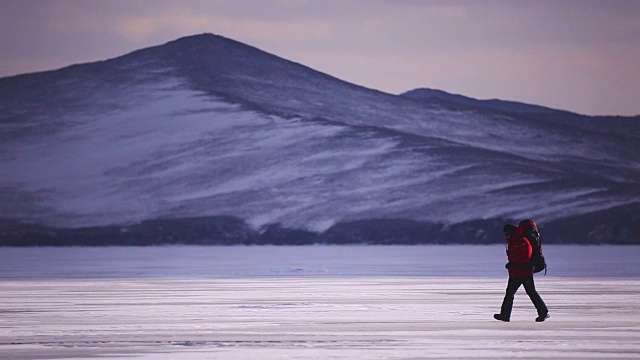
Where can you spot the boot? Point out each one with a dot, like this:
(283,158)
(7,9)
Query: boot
(542,317)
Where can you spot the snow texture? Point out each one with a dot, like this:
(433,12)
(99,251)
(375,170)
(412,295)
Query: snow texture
(205,126)
(317,302)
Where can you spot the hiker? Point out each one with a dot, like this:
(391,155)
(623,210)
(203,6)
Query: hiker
(519,253)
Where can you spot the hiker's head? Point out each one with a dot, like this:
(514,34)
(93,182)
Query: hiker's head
(508,230)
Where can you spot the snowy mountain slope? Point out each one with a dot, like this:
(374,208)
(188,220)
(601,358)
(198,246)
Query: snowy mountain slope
(206,126)
(442,97)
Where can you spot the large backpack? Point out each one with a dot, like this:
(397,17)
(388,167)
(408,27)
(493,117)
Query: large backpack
(531,232)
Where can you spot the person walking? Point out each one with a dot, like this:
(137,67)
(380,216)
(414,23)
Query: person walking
(519,252)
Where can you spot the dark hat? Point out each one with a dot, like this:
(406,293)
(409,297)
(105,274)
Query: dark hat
(509,229)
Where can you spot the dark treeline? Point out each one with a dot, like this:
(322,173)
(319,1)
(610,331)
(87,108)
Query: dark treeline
(228,230)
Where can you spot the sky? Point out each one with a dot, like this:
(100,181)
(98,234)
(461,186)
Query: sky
(576,55)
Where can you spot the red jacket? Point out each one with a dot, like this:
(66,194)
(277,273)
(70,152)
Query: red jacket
(519,252)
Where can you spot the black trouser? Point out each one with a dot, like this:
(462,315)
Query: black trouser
(530,288)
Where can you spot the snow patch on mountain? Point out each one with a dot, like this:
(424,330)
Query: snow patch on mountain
(205,126)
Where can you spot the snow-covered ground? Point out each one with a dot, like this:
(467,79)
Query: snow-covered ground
(314,302)
(315,318)
(206,126)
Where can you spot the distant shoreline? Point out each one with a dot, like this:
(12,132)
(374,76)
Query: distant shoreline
(229,230)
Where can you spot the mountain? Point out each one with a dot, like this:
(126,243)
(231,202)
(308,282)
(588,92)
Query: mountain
(455,101)
(210,137)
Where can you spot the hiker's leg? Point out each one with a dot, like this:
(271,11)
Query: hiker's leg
(507,303)
(530,288)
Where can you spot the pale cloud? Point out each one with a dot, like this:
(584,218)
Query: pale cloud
(447,11)
(432,9)
(283,31)
(290,3)
(138,29)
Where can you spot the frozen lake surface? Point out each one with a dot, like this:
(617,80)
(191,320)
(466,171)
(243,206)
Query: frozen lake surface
(316,302)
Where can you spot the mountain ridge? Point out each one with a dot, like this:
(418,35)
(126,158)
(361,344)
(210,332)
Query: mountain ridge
(208,126)
(426,94)
(203,39)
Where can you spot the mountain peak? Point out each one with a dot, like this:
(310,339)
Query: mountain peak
(195,41)
(444,98)
(195,48)
(434,94)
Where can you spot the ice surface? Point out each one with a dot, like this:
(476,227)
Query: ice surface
(313,302)
(315,318)
(194,262)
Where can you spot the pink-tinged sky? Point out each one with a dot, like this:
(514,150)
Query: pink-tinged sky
(577,55)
